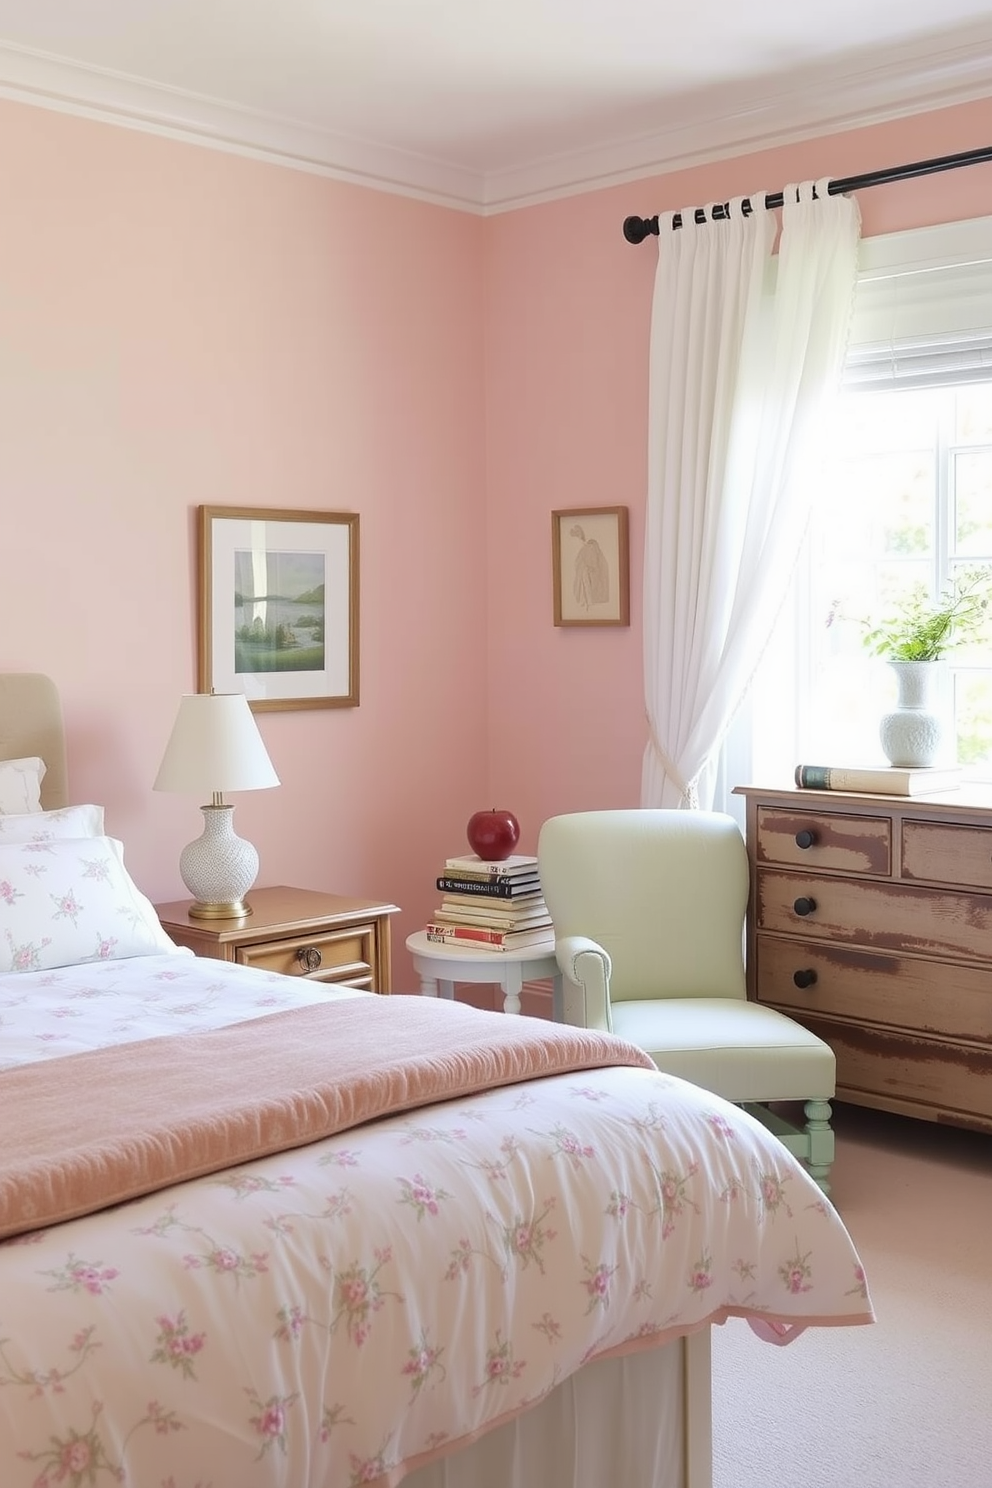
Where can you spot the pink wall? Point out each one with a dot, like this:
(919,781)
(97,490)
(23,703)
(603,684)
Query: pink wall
(182,326)
(568,305)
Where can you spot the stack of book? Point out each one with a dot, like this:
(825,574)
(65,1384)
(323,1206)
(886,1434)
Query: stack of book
(491,906)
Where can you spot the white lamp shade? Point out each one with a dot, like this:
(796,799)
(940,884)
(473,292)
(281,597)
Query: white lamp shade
(214,747)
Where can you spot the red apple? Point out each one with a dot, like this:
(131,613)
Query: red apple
(493,834)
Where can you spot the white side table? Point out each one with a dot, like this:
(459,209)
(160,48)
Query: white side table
(440,966)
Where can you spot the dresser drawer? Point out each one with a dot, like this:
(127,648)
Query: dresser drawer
(878,916)
(808,978)
(918,1076)
(345,955)
(947,854)
(824,840)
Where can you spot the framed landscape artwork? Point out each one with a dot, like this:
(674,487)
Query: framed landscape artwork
(590,563)
(278,606)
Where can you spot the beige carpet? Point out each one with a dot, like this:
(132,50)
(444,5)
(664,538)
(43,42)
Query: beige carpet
(907,1402)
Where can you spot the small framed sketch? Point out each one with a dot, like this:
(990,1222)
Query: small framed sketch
(277,593)
(590,563)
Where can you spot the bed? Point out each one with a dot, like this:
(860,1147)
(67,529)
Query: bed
(387,1240)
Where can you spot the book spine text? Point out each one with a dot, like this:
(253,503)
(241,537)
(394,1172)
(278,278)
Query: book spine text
(480,935)
(495,888)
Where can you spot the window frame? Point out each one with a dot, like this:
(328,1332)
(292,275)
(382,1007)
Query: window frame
(922,317)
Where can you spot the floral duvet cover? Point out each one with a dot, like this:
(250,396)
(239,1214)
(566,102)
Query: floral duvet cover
(340,1313)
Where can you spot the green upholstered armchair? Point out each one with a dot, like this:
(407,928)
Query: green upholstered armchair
(648,909)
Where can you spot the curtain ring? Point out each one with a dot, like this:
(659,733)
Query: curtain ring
(746,204)
(687,215)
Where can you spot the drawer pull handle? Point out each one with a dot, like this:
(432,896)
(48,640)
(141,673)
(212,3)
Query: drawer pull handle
(805,838)
(308,957)
(805,978)
(804,906)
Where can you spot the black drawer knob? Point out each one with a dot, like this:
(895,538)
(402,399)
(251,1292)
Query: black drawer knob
(805,978)
(805,838)
(804,906)
(308,957)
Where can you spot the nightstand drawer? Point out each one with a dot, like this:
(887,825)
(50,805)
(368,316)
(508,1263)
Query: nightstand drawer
(337,956)
(831,841)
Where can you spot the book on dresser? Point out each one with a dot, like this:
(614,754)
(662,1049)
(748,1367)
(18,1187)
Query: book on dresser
(883,780)
(483,938)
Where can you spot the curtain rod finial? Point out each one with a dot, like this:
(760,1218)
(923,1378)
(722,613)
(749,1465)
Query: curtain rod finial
(636,229)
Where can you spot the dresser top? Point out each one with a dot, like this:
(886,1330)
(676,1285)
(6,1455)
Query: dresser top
(966,801)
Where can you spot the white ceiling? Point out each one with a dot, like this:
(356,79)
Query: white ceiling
(487,104)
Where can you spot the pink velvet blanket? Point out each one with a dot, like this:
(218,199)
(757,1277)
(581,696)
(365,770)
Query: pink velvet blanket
(92,1129)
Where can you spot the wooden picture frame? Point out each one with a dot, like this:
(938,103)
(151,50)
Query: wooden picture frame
(590,565)
(277,599)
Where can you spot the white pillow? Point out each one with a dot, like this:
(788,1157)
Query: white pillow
(46,826)
(65,903)
(20,785)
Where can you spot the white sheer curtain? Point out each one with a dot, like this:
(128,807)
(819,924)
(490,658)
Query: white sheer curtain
(745,349)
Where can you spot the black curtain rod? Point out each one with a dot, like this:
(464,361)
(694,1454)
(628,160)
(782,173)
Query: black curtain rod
(636,229)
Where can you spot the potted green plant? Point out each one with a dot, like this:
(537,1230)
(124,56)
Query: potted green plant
(918,628)
(915,634)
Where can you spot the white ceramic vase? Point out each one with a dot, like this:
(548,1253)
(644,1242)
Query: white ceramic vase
(911,733)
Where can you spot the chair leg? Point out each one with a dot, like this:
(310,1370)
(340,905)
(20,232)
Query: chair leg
(820,1153)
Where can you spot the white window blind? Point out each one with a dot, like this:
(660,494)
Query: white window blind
(923,308)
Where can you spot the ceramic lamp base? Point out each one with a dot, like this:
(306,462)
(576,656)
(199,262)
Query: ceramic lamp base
(218,868)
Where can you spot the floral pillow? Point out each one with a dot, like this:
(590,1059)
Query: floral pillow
(65,903)
(20,785)
(45,826)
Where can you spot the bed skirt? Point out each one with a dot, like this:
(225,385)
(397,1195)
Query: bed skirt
(638,1421)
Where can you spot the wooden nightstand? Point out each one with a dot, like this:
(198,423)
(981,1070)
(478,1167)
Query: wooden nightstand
(299,932)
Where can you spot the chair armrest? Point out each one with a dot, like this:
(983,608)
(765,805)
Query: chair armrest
(586,968)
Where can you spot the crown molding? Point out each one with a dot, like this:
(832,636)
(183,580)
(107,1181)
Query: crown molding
(721,123)
(711,125)
(32,77)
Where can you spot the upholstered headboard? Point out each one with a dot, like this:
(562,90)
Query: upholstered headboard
(31,724)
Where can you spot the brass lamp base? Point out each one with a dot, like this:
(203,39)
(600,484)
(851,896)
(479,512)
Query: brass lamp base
(237,910)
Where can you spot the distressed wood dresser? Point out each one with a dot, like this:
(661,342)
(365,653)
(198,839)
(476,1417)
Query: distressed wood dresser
(870,922)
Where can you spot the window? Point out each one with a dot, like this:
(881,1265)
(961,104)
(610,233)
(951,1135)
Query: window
(906,498)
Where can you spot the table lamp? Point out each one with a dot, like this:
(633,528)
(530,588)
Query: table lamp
(215,747)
